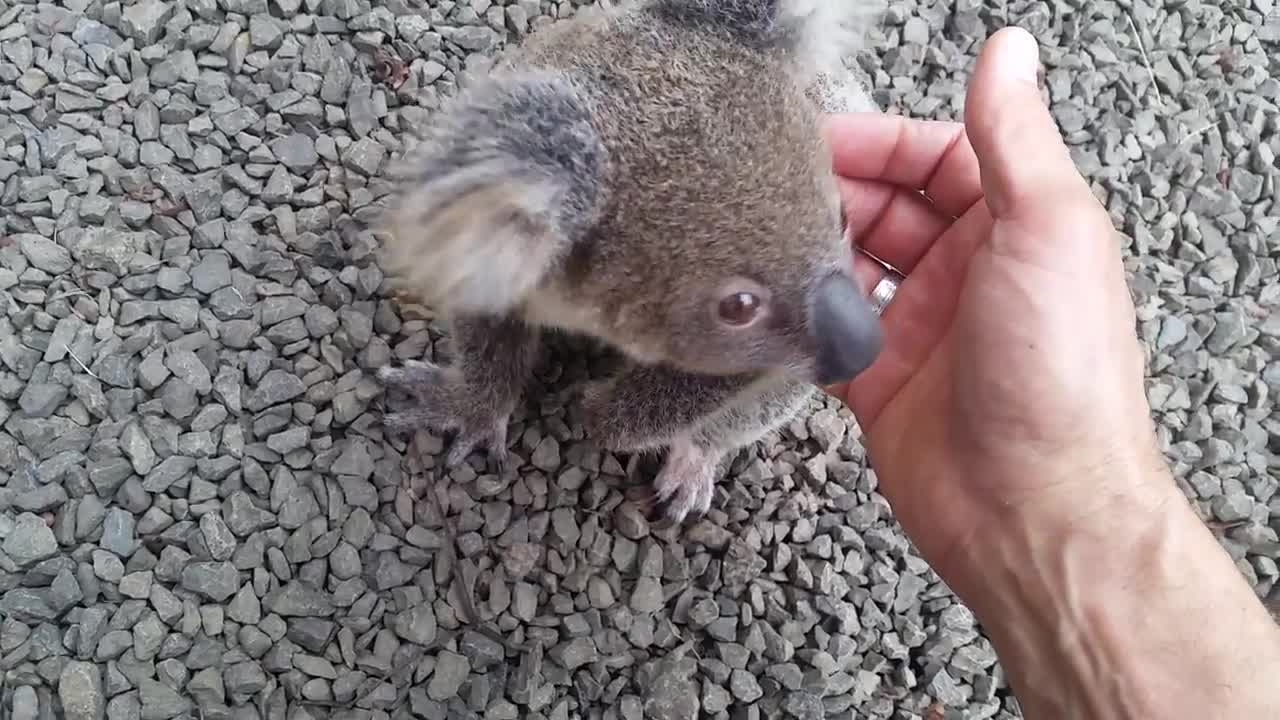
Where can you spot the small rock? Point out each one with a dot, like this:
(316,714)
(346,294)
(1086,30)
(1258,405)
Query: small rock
(30,540)
(1232,507)
(417,625)
(45,254)
(647,595)
(118,532)
(161,702)
(296,151)
(744,687)
(25,704)
(216,581)
(365,156)
(80,691)
(450,673)
(217,536)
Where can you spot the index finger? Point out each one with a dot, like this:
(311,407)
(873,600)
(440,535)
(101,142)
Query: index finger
(931,156)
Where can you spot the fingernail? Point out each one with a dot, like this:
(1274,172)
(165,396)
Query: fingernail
(1020,56)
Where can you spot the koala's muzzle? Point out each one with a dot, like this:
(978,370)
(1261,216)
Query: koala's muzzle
(846,331)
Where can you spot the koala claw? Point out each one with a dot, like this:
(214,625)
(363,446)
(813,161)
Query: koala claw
(445,406)
(686,482)
(494,440)
(414,376)
(428,385)
(407,421)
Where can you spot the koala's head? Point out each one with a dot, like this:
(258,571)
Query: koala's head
(655,177)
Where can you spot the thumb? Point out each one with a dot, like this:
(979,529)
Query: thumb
(1024,162)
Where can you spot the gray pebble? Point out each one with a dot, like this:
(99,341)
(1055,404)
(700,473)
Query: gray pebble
(744,687)
(136,585)
(364,156)
(217,536)
(299,600)
(160,702)
(118,532)
(946,690)
(44,254)
(296,151)
(30,540)
(216,581)
(40,400)
(276,387)
(80,691)
(107,566)
(647,595)
(575,653)
(451,671)
(1232,507)
(25,704)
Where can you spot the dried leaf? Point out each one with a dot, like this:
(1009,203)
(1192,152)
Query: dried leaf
(388,68)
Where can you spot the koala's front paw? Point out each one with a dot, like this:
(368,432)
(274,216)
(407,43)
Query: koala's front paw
(685,484)
(448,405)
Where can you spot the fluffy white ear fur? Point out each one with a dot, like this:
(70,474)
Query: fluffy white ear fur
(476,241)
(841,91)
(491,197)
(832,31)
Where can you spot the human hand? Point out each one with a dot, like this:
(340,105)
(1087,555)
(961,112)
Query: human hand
(1008,424)
(1010,387)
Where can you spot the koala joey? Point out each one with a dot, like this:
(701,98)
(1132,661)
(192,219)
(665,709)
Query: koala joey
(653,176)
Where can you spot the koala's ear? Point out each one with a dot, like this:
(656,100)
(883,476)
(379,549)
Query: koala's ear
(827,33)
(508,177)
(820,33)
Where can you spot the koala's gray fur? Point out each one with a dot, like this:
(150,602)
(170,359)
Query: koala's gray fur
(618,175)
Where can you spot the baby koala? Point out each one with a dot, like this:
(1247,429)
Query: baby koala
(652,176)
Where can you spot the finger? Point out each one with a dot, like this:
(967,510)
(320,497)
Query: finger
(892,223)
(1025,164)
(934,157)
(917,315)
(868,273)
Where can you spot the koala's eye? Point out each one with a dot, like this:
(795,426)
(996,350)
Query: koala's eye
(740,308)
(739,302)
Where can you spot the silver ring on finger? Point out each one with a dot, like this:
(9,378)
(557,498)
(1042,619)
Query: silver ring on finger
(884,290)
(882,294)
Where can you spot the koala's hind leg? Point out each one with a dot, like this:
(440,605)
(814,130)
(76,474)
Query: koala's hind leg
(699,419)
(475,395)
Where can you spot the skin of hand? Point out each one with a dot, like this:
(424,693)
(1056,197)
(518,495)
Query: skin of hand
(1007,421)
(1012,340)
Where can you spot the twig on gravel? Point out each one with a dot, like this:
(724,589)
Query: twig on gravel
(1146,61)
(79,362)
(465,584)
(69,293)
(1198,132)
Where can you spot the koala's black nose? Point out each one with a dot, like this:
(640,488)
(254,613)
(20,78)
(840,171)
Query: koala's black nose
(845,329)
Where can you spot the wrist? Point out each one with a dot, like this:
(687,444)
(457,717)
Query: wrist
(1091,610)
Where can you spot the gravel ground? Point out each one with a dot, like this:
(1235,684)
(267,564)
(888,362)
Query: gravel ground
(201,519)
